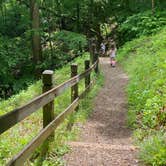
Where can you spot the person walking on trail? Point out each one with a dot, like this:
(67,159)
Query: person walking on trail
(103,47)
(112,55)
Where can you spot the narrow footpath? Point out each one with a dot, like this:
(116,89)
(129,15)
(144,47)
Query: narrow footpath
(105,139)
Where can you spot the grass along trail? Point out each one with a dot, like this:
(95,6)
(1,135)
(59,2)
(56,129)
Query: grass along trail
(105,139)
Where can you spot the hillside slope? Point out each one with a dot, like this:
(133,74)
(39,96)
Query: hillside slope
(13,140)
(145,61)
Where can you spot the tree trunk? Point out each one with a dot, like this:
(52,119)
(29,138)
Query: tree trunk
(98,35)
(78,17)
(90,18)
(153,7)
(36,39)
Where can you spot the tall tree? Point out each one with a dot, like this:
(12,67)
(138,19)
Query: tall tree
(36,39)
(153,7)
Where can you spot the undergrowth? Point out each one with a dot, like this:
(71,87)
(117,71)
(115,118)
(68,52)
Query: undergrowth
(145,61)
(141,24)
(12,141)
(17,66)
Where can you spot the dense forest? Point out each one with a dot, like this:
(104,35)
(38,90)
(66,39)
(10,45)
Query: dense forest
(36,35)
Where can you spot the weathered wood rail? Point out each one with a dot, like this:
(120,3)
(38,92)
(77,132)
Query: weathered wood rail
(45,100)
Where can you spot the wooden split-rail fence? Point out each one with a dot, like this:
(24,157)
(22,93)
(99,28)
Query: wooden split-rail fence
(46,100)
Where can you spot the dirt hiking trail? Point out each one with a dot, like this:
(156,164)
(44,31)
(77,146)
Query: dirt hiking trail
(105,139)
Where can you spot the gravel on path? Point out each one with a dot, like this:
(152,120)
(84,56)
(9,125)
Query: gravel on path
(105,139)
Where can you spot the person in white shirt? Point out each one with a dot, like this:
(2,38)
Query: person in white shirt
(103,47)
(112,54)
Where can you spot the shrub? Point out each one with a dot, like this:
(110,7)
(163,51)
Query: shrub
(141,24)
(153,150)
(15,21)
(65,46)
(14,60)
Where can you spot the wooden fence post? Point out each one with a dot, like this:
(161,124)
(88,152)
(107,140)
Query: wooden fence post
(87,78)
(74,94)
(48,113)
(92,48)
(74,88)
(48,109)
(80,47)
(96,57)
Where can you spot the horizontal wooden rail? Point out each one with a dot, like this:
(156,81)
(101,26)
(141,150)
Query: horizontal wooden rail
(44,134)
(46,100)
(10,119)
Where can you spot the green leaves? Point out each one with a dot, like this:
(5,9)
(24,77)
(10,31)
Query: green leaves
(14,19)
(153,150)
(14,58)
(142,24)
(145,61)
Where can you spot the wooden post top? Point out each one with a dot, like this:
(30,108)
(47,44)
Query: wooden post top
(47,77)
(87,62)
(74,68)
(74,64)
(47,72)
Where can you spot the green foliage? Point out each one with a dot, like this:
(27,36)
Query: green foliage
(154,146)
(62,47)
(14,19)
(144,60)
(82,16)
(141,24)
(70,40)
(14,61)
